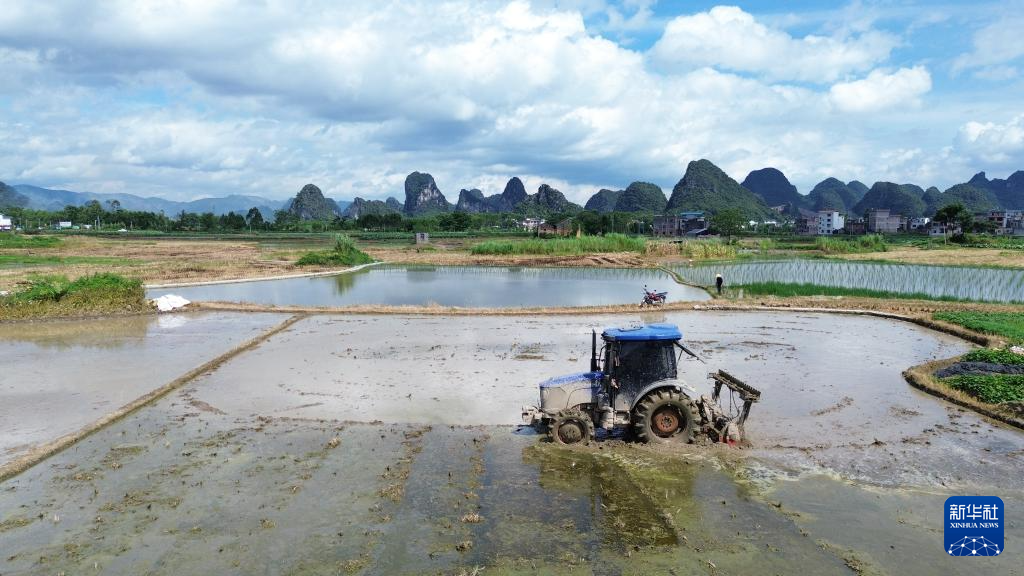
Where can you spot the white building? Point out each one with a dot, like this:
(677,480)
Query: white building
(64,225)
(940,230)
(5,222)
(531,223)
(918,224)
(829,222)
(1008,222)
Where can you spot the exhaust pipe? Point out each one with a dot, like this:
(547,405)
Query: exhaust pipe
(593,351)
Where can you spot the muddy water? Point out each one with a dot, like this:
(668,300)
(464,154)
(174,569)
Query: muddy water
(256,469)
(834,399)
(467,286)
(59,376)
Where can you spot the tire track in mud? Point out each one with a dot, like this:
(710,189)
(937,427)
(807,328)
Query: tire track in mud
(438,504)
(48,449)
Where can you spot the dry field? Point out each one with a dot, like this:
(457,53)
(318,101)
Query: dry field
(167,261)
(946,256)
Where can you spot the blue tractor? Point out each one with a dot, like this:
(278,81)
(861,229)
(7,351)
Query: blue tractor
(633,386)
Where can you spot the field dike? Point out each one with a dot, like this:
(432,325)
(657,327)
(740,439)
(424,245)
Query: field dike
(260,279)
(44,451)
(923,378)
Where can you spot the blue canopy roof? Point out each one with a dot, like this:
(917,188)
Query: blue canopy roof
(644,333)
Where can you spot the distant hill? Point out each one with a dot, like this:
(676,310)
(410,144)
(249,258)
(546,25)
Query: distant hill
(54,200)
(474,201)
(310,204)
(973,198)
(903,199)
(422,195)
(11,198)
(706,187)
(772,186)
(858,188)
(603,201)
(359,208)
(1009,193)
(546,202)
(641,197)
(833,194)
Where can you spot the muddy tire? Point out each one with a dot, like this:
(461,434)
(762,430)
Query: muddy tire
(664,416)
(572,426)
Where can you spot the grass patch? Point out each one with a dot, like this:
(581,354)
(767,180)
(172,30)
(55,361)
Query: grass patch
(37,260)
(706,250)
(21,241)
(56,296)
(344,253)
(792,289)
(561,246)
(994,356)
(991,388)
(868,243)
(1009,325)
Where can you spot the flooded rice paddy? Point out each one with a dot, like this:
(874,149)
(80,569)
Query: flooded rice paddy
(60,376)
(965,283)
(386,445)
(466,286)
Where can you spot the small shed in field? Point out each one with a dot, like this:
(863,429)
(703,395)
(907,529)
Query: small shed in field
(422,238)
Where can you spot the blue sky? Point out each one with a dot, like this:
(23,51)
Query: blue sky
(198,98)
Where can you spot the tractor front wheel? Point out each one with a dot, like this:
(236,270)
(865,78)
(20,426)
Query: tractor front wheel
(664,416)
(571,426)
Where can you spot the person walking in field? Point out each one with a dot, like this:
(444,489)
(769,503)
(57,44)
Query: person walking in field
(718,283)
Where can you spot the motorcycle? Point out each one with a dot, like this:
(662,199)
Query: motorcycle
(653,298)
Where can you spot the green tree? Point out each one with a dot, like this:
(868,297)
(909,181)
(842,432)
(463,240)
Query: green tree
(954,215)
(208,221)
(728,222)
(254,218)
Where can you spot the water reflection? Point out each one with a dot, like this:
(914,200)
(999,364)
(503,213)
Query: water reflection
(108,333)
(466,286)
(985,284)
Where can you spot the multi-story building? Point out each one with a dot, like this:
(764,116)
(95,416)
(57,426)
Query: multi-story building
(919,224)
(881,221)
(679,224)
(823,223)
(1007,222)
(829,222)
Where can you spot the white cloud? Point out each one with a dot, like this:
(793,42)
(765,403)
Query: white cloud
(1001,144)
(729,38)
(995,47)
(881,90)
(261,98)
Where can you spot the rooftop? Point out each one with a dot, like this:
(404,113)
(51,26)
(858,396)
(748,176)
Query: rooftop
(643,333)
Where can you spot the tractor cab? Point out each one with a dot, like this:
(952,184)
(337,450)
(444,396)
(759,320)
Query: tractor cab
(633,384)
(634,358)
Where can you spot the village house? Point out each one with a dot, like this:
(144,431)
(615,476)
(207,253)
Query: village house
(918,224)
(1007,222)
(882,221)
(5,222)
(531,223)
(856,227)
(823,223)
(829,222)
(561,228)
(940,230)
(680,224)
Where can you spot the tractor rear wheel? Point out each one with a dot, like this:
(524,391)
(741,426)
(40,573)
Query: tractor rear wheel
(664,416)
(571,426)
